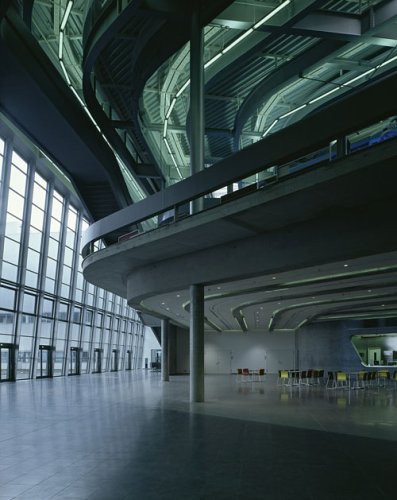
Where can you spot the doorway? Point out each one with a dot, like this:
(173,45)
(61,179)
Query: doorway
(128,361)
(97,366)
(114,366)
(74,365)
(45,361)
(7,362)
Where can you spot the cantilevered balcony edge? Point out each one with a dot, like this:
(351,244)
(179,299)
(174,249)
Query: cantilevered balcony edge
(354,111)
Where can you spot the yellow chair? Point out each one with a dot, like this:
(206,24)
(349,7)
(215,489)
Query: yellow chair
(383,377)
(341,380)
(283,377)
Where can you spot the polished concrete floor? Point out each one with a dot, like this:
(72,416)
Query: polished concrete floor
(129,436)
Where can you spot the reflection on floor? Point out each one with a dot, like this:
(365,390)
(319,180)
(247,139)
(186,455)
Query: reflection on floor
(130,436)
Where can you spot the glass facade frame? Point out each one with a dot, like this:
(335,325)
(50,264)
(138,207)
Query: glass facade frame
(45,303)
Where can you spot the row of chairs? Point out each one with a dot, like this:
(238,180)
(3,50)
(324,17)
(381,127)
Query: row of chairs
(361,379)
(247,375)
(300,377)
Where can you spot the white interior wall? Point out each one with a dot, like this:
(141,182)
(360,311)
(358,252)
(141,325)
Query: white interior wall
(224,353)
(150,342)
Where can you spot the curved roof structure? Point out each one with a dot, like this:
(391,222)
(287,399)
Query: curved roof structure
(270,66)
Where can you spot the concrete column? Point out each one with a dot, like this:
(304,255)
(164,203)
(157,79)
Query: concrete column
(196,100)
(196,343)
(165,359)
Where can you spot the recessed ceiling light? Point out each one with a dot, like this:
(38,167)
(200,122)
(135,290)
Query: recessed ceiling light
(273,277)
(218,287)
(345,265)
(261,307)
(369,291)
(313,297)
(168,308)
(383,305)
(163,303)
(178,295)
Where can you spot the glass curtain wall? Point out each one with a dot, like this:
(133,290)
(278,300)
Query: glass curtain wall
(50,316)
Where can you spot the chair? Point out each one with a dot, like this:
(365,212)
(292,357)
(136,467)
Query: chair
(246,376)
(283,378)
(318,376)
(341,380)
(372,378)
(239,374)
(383,377)
(361,379)
(331,382)
(303,377)
(261,374)
(309,376)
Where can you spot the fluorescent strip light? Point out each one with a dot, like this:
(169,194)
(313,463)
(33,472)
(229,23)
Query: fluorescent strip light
(183,88)
(211,61)
(359,76)
(66,15)
(170,108)
(271,126)
(167,146)
(238,40)
(388,61)
(165,129)
(271,14)
(292,111)
(60,47)
(65,73)
(78,97)
(179,172)
(324,95)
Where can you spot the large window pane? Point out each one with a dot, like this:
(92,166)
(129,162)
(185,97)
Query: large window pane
(17,180)
(53,246)
(7,298)
(25,356)
(29,303)
(13,227)
(31,279)
(33,260)
(11,251)
(55,228)
(37,218)
(15,204)
(19,162)
(57,207)
(9,271)
(35,239)
(6,322)
(51,268)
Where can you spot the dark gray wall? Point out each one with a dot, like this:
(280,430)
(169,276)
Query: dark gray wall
(179,350)
(328,346)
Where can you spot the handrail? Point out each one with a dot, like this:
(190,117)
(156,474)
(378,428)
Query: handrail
(335,120)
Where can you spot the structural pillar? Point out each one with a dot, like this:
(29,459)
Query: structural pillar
(196,100)
(196,343)
(165,358)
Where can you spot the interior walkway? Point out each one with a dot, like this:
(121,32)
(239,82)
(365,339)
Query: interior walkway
(129,436)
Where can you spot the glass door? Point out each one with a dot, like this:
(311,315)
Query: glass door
(97,368)
(74,367)
(45,361)
(115,360)
(128,361)
(7,362)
